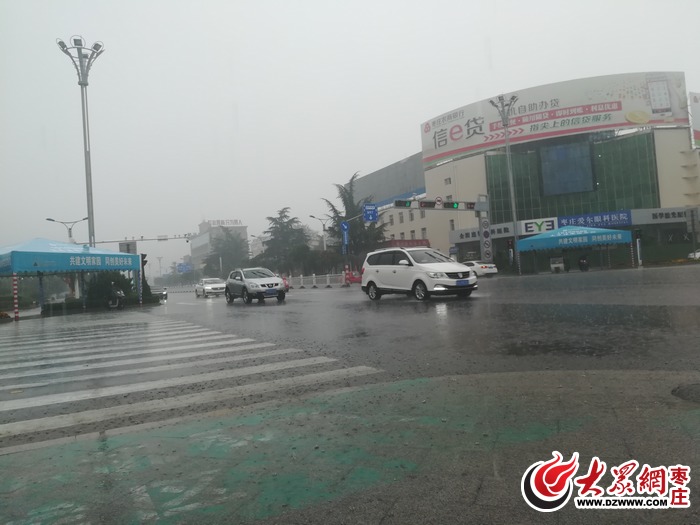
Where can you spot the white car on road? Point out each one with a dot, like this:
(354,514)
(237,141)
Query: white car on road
(420,272)
(209,286)
(694,255)
(482,269)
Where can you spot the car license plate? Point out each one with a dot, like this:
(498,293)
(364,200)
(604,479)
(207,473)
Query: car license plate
(462,282)
(270,292)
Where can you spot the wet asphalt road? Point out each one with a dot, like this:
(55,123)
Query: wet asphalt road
(625,319)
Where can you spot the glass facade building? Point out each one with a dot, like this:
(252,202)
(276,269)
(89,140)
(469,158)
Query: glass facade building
(623,176)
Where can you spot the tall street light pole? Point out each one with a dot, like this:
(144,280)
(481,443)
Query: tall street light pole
(323,224)
(83,58)
(69,228)
(503,108)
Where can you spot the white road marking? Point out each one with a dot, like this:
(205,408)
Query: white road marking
(149,370)
(126,362)
(184,401)
(107,348)
(93,357)
(95,393)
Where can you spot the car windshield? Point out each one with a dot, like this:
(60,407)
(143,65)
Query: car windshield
(212,281)
(428,256)
(257,273)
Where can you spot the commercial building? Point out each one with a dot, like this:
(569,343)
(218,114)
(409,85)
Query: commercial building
(613,151)
(201,244)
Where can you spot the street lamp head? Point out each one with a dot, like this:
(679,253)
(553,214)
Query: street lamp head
(77,41)
(97,46)
(62,45)
(50,219)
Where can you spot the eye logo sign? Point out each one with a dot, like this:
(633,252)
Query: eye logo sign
(547,486)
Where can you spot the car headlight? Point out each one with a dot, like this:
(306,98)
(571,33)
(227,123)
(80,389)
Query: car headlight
(437,275)
(254,285)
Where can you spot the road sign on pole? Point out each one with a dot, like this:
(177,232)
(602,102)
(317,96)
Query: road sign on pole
(369,212)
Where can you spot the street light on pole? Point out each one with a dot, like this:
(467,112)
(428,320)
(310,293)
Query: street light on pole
(503,108)
(323,225)
(83,58)
(69,228)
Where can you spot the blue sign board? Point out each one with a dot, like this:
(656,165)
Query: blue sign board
(608,219)
(346,237)
(184,268)
(345,226)
(369,213)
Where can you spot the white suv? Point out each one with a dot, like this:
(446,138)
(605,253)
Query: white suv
(419,271)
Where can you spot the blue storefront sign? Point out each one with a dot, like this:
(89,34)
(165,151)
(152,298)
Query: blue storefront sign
(608,219)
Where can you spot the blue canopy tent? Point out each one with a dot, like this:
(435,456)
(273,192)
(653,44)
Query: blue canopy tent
(576,237)
(573,237)
(43,256)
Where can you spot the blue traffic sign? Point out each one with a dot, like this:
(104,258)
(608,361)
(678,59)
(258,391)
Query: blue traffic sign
(370,213)
(346,238)
(184,268)
(345,226)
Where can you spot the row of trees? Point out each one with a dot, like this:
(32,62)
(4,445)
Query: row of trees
(287,248)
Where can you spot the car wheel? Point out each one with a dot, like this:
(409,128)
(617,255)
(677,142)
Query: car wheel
(229,296)
(247,298)
(280,297)
(196,294)
(464,293)
(420,291)
(373,292)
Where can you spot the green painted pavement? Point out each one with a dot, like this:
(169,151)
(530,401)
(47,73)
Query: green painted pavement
(262,461)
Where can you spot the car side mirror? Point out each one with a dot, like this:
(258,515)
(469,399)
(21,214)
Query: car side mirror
(403,262)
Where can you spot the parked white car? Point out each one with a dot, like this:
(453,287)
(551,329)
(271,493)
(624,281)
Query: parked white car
(694,255)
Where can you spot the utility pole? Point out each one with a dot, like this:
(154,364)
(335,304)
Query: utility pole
(503,108)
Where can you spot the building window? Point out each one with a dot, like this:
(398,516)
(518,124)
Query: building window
(422,214)
(424,233)
(448,181)
(452,225)
(410,215)
(448,198)
(400,217)
(391,220)
(403,236)
(413,234)
(393,236)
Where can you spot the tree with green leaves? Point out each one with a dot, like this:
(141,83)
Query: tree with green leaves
(286,236)
(363,237)
(228,251)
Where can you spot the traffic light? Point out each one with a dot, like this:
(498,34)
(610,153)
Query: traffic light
(637,234)
(402,204)
(451,205)
(426,204)
(143,260)
(510,244)
(470,205)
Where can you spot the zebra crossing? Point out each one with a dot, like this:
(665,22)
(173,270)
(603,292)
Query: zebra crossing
(76,375)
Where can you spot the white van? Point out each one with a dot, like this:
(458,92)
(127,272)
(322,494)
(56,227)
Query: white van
(420,272)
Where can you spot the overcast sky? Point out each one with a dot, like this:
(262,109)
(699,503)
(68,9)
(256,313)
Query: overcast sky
(225,109)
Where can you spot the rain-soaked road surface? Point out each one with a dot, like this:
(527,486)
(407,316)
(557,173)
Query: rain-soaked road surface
(329,408)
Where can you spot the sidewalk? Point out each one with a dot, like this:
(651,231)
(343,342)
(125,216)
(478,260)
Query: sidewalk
(444,450)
